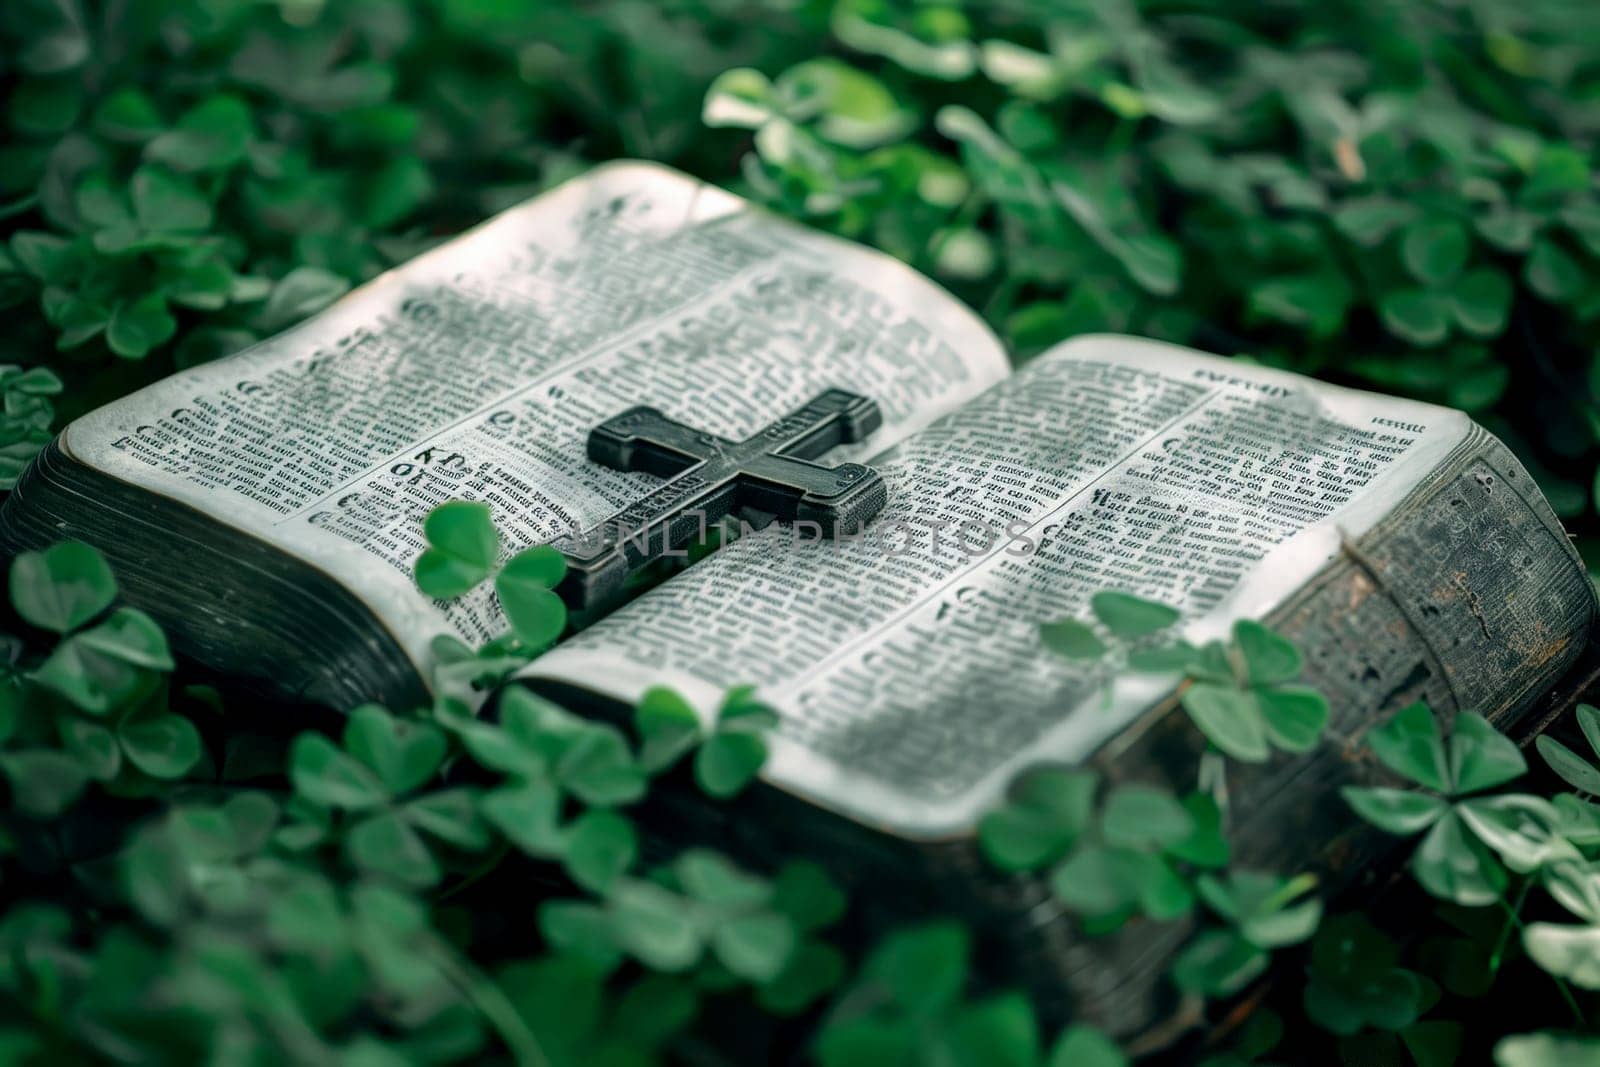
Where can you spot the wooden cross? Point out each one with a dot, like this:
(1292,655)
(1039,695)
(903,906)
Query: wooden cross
(710,478)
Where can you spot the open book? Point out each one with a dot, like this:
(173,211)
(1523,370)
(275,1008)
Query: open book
(267,508)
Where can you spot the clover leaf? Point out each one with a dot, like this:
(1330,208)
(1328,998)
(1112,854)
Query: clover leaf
(526,587)
(1239,695)
(375,776)
(462,548)
(1576,770)
(1453,861)
(731,757)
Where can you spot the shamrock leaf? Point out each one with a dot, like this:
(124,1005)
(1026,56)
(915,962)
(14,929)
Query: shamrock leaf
(1043,816)
(668,727)
(732,756)
(1409,744)
(62,587)
(525,586)
(1355,982)
(403,754)
(461,552)
(1238,698)
(1569,952)
(1129,617)
(1577,771)
(108,665)
(160,743)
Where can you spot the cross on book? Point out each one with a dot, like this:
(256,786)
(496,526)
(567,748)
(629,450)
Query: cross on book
(709,478)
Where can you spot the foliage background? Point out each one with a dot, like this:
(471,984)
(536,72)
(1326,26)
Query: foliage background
(1396,195)
(1399,195)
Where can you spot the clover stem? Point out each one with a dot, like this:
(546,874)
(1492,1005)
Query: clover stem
(493,1005)
(1566,991)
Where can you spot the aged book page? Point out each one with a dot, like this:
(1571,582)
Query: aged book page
(906,664)
(477,370)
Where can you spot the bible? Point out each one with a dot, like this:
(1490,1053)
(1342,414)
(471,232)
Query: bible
(1400,544)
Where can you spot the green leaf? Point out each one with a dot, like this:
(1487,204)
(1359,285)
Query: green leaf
(451,815)
(754,947)
(404,754)
(803,891)
(44,782)
(923,968)
(814,969)
(1409,744)
(1569,952)
(1434,250)
(1130,617)
(166,203)
(108,665)
(46,256)
(1230,719)
(1317,302)
(1416,315)
(712,878)
(92,745)
(1153,261)
(127,115)
(1552,272)
(1095,882)
(1071,639)
(1144,817)
(999,1031)
(741,711)
(304,291)
(62,587)
(524,584)
(137,326)
(654,925)
(162,745)
(1481,757)
(1217,963)
(322,772)
(1046,812)
(667,726)
(865,1042)
(1573,768)
(741,98)
(462,547)
(1163,659)
(1084,1046)
(1453,865)
(851,107)
(1589,723)
(1161,893)
(1269,657)
(599,769)
(1278,927)
(1368,220)
(1508,229)
(1295,716)
(213,135)
(529,816)
(129,636)
(1399,811)
(1481,302)
(385,844)
(600,849)
(728,761)
(395,191)
(1207,845)
(1525,831)
(1547,1050)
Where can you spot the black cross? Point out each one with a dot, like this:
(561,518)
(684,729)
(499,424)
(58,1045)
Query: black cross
(710,478)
